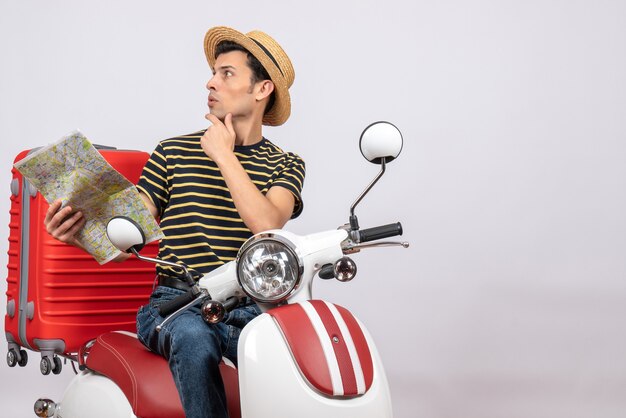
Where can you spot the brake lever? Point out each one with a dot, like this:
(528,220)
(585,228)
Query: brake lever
(203,294)
(355,248)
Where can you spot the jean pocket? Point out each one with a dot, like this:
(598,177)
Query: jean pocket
(156,299)
(143,327)
(147,320)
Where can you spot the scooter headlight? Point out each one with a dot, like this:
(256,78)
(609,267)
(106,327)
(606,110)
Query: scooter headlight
(268,268)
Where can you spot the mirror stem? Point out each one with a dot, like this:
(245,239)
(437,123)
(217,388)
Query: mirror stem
(354,222)
(188,277)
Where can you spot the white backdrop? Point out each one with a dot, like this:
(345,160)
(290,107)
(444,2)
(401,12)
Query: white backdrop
(511,187)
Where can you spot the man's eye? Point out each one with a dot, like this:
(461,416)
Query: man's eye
(228,73)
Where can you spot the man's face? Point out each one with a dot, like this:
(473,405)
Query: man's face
(230,88)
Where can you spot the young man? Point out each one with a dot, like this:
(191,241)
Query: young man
(211,191)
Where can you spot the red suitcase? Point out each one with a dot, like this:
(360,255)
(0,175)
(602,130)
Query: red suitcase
(58,296)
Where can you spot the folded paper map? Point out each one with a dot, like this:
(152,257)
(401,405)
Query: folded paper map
(74,171)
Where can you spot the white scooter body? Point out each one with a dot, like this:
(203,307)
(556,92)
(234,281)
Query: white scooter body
(97,394)
(270,380)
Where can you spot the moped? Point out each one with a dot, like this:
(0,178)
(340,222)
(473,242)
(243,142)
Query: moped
(299,358)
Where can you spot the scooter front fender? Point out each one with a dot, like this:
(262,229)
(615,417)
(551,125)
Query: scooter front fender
(272,384)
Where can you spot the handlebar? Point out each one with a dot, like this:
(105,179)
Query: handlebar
(380,232)
(231,303)
(175,304)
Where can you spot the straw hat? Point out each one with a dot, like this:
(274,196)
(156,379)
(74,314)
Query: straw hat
(272,57)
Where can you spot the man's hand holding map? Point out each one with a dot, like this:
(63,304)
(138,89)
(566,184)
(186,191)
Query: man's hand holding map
(74,171)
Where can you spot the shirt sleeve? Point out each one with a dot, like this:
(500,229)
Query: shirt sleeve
(292,179)
(153,181)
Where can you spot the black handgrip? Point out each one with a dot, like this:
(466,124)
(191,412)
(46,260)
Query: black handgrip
(379,232)
(327,272)
(175,304)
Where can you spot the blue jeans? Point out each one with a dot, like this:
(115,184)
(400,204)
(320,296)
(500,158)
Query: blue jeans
(194,350)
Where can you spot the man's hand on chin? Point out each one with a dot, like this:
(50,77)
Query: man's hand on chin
(219,139)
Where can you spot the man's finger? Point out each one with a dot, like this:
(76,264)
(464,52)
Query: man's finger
(67,223)
(71,233)
(58,217)
(54,207)
(214,120)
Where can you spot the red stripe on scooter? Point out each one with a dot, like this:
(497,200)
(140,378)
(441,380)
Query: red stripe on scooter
(346,367)
(305,345)
(360,343)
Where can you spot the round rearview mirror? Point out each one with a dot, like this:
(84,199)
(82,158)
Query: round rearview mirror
(124,234)
(381,140)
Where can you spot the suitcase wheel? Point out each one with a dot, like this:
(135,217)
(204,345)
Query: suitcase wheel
(57,365)
(46,365)
(23,358)
(14,357)
(11,358)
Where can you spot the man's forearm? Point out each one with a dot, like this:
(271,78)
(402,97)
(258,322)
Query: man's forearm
(257,211)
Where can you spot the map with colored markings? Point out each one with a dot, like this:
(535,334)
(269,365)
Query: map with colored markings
(72,170)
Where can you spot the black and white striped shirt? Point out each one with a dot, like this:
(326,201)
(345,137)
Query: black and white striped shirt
(198,217)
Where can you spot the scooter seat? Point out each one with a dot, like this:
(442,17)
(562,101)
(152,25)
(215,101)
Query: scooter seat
(145,377)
